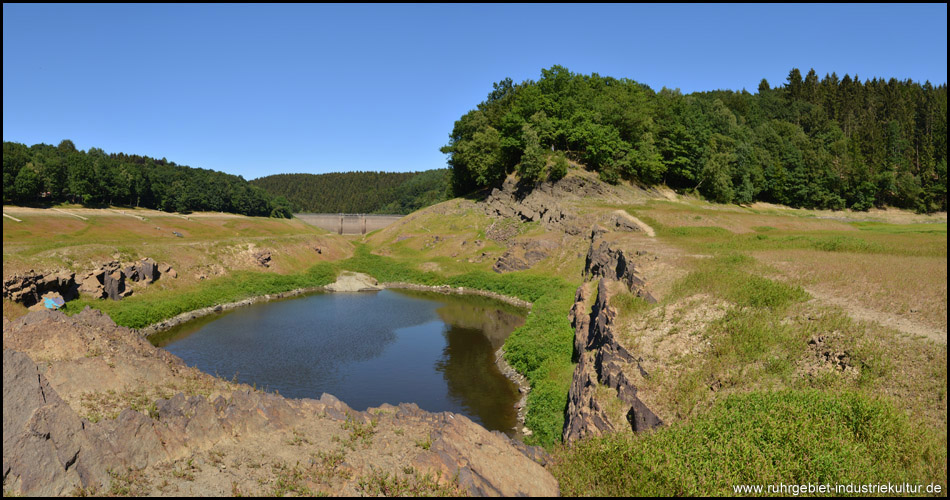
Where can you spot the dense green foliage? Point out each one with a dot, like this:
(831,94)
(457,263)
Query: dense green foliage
(787,437)
(828,143)
(359,192)
(44,174)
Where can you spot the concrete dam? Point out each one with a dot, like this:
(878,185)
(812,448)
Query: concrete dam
(349,223)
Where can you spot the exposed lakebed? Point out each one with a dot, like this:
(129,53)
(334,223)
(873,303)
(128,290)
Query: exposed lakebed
(391,346)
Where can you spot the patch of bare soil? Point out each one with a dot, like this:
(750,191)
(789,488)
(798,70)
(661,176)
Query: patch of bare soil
(827,353)
(889,320)
(666,337)
(889,215)
(643,226)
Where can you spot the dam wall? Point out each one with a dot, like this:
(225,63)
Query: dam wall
(348,223)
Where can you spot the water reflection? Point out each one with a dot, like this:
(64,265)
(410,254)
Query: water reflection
(367,349)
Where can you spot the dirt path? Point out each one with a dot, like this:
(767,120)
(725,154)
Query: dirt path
(639,223)
(889,320)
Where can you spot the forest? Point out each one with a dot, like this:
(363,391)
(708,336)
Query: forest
(359,192)
(812,142)
(44,175)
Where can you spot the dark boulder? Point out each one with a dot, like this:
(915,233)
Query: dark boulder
(114,285)
(263,258)
(27,288)
(146,270)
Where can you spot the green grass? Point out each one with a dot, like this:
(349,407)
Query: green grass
(139,311)
(790,437)
(725,276)
(627,304)
(939,228)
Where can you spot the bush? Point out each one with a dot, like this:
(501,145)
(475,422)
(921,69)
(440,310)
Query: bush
(558,168)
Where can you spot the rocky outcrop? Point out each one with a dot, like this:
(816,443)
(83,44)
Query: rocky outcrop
(533,203)
(166,270)
(94,282)
(605,261)
(107,280)
(29,287)
(523,255)
(47,448)
(602,360)
(113,285)
(487,463)
(145,270)
(262,257)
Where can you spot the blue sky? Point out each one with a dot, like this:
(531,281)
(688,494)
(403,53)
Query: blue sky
(261,89)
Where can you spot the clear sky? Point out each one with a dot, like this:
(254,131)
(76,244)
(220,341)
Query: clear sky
(261,89)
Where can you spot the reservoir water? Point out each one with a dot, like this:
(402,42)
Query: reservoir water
(392,346)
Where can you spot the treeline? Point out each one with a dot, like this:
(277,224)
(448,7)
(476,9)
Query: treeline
(359,192)
(44,174)
(817,143)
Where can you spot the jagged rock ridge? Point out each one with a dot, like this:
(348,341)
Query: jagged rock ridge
(605,261)
(601,360)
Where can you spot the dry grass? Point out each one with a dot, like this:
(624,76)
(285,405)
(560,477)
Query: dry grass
(48,239)
(885,215)
(213,244)
(735,219)
(861,276)
(107,405)
(910,287)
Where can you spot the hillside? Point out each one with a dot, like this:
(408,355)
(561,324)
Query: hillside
(211,246)
(760,344)
(45,175)
(813,142)
(749,333)
(359,192)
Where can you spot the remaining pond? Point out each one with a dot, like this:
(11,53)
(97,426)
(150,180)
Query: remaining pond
(392,346)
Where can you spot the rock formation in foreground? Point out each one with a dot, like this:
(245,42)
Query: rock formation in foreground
(602,362)
(93,407)
(605,261)
(107,280)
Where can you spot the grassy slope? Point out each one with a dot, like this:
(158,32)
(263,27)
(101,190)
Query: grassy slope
(771,422)
(213,245)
